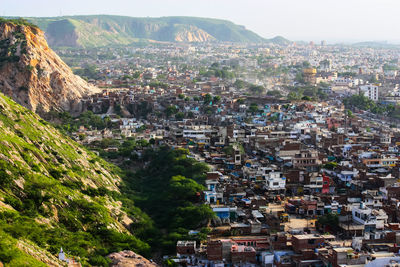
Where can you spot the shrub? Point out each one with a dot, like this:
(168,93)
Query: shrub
(56,174)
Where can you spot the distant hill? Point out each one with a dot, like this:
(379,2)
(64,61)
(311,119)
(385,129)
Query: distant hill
(375,44)
(105,30)
(279,40)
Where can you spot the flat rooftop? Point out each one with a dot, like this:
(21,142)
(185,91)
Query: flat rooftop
(313,236)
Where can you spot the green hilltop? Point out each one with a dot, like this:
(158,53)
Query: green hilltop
(105,30)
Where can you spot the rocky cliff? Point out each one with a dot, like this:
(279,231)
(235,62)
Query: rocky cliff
(192,34)
(33,75)
(128,258)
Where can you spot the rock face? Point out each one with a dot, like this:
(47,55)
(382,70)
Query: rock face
(128,258)
(33,75)
(192,34)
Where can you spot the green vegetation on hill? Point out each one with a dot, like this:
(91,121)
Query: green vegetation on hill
(169,189)
(166,184)
(77,31)
(18,21)
(55,193)
(13,47)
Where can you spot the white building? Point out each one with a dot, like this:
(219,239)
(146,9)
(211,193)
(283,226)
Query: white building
(61,255)
(274,181)
(372,219)
(369,90)
(350,82)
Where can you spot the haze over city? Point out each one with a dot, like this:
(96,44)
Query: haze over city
(309,20)
(186,133)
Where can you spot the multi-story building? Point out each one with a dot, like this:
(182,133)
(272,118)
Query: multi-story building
(307,159)
(274,181)
(369,90)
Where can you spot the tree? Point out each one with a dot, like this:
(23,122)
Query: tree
(240,101)
(170,110)
(89,71)
(136,75)
(184,188)
(207,99)
(306,64)
(239,84)
(293,96)
(118,110)
(256,89)
(329,220)
(215,65)
(349,113)
(253,108)
(179,116)
(299,77)
(228,150)
(330,165)
(275,93)
(216,99)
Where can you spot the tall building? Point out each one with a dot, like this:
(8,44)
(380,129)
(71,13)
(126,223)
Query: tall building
(326,65)
(309,75)
(370,90)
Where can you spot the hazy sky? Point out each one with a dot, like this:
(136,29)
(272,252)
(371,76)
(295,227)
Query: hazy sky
(331,20)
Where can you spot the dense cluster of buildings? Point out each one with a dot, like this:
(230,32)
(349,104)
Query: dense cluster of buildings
(292,183)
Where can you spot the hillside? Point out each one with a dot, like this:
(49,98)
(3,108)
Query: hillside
(105,30)
(33,75)
(55,193)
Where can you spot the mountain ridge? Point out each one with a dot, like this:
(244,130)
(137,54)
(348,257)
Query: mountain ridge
(88,31)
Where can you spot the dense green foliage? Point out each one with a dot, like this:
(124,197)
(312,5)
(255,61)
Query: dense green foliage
(166,184)
(364,103)
(66,123)
(256,89)
(307,92)
(168,189)
(89,71)
(11,255)
(330,220)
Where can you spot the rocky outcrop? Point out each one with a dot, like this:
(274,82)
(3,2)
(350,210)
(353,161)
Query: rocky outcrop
(33,75)
(193,34)
(128,258)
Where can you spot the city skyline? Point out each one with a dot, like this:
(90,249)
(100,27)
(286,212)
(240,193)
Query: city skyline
(310,20)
